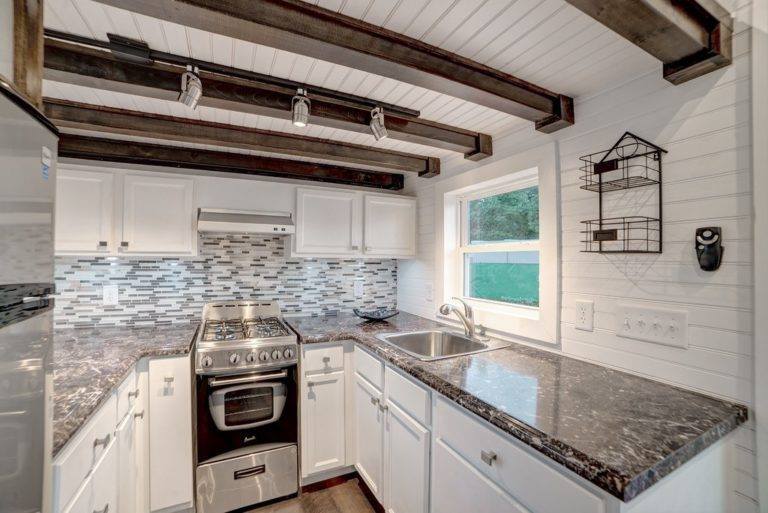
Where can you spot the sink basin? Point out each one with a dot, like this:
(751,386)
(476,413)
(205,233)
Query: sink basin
(433,344)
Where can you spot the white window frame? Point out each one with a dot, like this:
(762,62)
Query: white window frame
(466,248)
(504,320)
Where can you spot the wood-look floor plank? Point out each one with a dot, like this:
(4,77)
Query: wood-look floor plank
(344,498)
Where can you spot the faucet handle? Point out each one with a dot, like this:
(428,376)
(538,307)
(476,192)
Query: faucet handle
(467,309)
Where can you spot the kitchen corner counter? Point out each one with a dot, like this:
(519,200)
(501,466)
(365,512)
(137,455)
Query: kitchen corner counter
(619,431)
(88,363)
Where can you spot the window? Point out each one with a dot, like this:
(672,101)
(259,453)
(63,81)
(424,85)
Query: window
(499,244)
(499,250)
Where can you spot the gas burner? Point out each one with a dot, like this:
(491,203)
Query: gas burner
(241,336)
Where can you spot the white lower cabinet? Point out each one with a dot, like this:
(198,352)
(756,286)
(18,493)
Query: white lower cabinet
(407,474)
(170,434)
(323,422)
(369,434)
(105,468)
(457,487)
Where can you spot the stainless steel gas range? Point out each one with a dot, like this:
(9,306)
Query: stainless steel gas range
(246,406)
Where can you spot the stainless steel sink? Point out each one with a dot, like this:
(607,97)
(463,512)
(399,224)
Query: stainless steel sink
(433,344)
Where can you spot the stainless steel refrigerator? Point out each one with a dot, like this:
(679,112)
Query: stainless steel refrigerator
(28,143)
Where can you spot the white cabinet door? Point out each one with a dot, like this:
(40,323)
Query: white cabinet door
(369,435)
(170,433)
(141,429)
(158,215)
(390,226)
(327,222)
(457,487)
(98,493)
(84,212)
(127,468)
(407,463)
(323,434)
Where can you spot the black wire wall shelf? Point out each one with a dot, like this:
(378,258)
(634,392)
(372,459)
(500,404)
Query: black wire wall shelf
(631,162)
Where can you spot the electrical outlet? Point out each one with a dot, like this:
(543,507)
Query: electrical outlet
(660,326)
(358,288)
(585,315)
(110,295)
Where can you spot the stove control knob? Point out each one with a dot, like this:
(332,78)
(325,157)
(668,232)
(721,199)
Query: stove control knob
(251,357)
(263,356)
(234,358)
(206,361)
(288,353)
(276,354)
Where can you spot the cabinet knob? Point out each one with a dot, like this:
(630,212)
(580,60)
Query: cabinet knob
(488,457)
(134,394)
(102,441)
(374,400)
(355,248)
(326,359)
(139,415)
(383,407)
(168,379)
(102,244)
(123,245)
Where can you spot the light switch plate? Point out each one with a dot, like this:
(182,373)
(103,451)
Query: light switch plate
(657,325)
(585,315)
(110,295)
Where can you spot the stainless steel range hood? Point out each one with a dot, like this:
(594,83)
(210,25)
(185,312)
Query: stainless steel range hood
(243,221)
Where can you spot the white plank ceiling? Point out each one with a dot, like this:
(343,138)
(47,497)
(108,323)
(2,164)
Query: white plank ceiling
(549,43)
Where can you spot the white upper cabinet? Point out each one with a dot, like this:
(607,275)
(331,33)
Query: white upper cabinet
(112,212)
(84,212)
(158,215)
(328,222)
(348,223)
(390,226)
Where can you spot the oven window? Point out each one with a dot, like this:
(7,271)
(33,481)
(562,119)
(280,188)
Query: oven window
(248,405)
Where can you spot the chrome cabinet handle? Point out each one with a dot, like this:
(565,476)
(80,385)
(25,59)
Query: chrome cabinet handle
(355,248)
(383,407)
(326,359)
(134,394)
(102,441)
(139,415)
(105,510)
(168,379)
(102,244)
(123,245)
(374,401)
(488,457)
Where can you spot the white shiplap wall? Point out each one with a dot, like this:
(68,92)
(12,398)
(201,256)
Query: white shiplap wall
(705,126)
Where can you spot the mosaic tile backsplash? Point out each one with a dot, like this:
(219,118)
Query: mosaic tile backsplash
(228,266)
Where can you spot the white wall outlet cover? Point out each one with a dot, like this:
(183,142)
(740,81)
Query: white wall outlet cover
(657,325)
(585,315)
(110,295)
(358,288)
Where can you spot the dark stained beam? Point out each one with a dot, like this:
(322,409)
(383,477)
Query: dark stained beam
(131,152)
(690,37)
(65,114)
(28,49)
(305,29)
(76,64)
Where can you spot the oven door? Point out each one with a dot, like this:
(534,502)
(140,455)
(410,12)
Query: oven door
(247,402)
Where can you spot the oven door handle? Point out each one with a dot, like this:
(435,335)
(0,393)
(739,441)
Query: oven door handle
(250,472)
(220,382)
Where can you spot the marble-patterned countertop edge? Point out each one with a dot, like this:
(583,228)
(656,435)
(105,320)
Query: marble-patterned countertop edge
(67,427)
(620,485)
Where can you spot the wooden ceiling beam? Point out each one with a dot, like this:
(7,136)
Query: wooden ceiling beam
(79,65)
(66,114)
(305,29)
(28,49)
(132,152)
(690,37)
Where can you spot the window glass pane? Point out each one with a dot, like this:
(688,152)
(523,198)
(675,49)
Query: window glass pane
(505,217)
(510,277)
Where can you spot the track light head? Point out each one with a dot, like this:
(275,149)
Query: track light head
(378,129)
(300,105)
(191,88)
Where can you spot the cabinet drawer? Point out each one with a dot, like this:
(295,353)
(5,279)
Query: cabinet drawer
(80,455)
(529,480)
(369,367)
(99,490)
(127,394)
(322,358)
(408,395)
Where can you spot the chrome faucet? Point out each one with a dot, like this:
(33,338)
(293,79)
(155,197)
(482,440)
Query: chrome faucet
(467,318)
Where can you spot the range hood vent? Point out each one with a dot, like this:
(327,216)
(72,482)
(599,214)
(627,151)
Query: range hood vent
(243,221)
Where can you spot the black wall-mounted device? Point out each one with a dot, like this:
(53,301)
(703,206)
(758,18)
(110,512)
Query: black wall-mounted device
(709,248)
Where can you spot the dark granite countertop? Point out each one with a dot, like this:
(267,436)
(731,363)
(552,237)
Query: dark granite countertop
(620,431)
(88,363)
